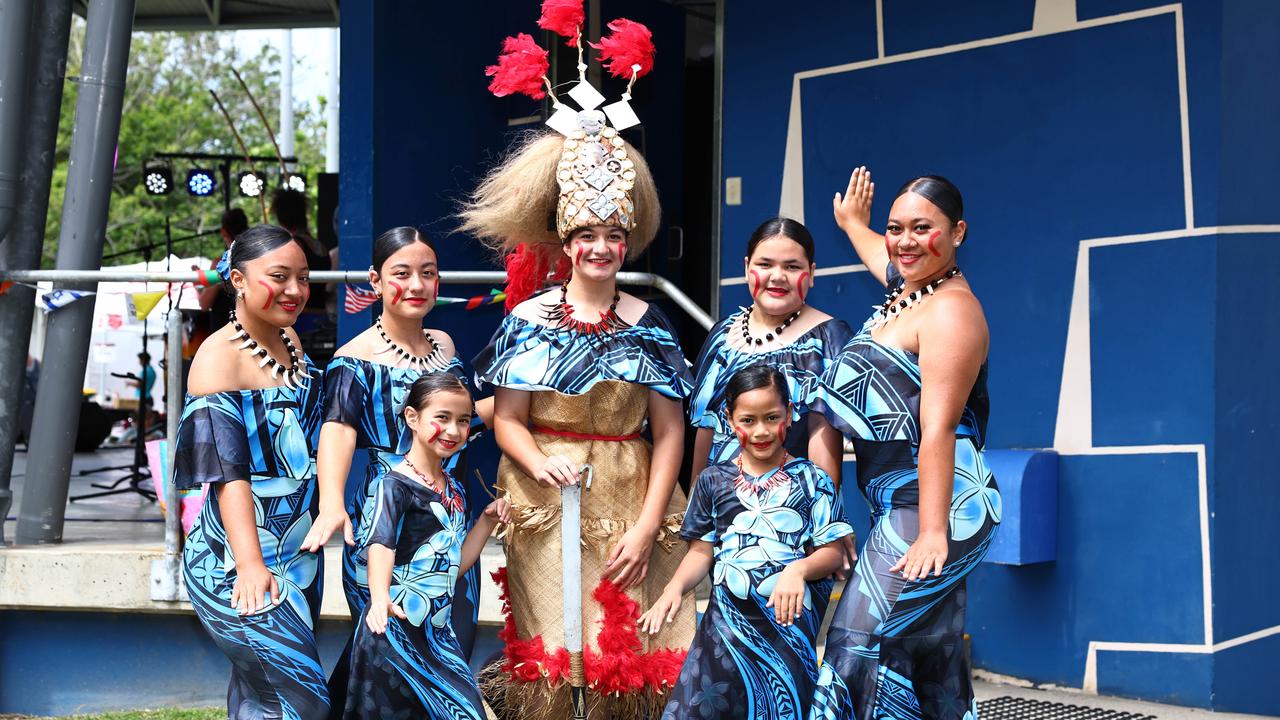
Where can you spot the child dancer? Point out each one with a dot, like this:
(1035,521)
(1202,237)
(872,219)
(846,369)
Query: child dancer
(405,660)
(753,655)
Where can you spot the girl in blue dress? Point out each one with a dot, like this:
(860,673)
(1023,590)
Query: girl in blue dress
(780,329)
(405,659)
(769,524)
(248,429)
(365,386)
(910,389)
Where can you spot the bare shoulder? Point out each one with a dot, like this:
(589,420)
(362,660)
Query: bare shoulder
(445,341)
(956,305)
(357,347)
(631,308)
(216,367)
(532,309)
(954,318)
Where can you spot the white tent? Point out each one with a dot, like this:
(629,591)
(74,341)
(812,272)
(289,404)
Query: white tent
(117,337)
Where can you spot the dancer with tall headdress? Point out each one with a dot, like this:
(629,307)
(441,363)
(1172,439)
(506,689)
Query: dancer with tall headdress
(582,373)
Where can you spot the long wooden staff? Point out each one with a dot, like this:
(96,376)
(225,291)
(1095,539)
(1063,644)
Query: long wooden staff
(262,201)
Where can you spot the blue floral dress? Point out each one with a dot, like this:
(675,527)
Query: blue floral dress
(895,649)
(265,437)
(743,664)
(367,397)
(803,361)
(416,668)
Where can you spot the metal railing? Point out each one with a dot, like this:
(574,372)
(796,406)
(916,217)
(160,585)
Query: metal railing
(166,573)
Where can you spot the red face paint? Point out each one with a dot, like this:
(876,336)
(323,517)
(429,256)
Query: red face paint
(577,259)
(800,288)
(622,251)
(933,250)
(271,294)
(756,285)
(435,434)
(399,291)
(782,432)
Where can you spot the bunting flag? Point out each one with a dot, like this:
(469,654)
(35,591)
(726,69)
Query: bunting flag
(141,304)
(59,299)
(4,286)
(358,298)
(495,297)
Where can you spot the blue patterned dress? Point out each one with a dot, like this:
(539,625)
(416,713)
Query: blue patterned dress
(265,437)
(802,361)
(416,668)
(895,649)
(367,397)
(743,664)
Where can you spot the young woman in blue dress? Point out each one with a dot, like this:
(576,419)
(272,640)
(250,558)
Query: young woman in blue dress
(248,429)
(910,390)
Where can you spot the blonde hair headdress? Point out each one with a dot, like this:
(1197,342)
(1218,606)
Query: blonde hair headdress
(585,174)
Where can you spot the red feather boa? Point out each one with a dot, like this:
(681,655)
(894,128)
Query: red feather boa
(618,668)
(630,44)
(521,68)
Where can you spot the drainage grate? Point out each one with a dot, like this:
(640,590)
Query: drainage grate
(1010,708)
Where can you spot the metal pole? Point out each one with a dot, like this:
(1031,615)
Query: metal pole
(15,23)
(331,106)
(49,30)
(462,277)
(84,221)
(165,572)
(286,95)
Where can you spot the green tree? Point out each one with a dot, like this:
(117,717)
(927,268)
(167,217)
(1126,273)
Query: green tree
(168,108)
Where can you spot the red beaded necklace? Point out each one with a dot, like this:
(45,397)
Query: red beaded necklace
(779,477)
(451,500)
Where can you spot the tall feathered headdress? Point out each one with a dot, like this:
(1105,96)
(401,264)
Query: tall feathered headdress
(584,173)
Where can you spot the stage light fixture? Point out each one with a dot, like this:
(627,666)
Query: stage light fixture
(251,184)
(157,178)
(201,182)
(296,182)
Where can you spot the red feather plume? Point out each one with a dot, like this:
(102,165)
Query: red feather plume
(526,273)
(521,68)
(563,17)
(629,44)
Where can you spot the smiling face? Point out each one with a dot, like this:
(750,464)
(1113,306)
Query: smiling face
(275,285)
(596,252)
(409,281)
(920,239)
(760,420)
(779,275)
(442,424)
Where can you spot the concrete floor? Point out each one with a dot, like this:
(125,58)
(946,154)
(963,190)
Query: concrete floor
(127,517)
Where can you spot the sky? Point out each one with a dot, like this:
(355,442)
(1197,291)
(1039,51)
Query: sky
(312,56)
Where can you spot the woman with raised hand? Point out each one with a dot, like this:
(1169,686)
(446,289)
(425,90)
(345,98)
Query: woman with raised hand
(248,429)
(910,389)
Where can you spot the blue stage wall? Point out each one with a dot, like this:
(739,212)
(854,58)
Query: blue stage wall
(1069,147)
